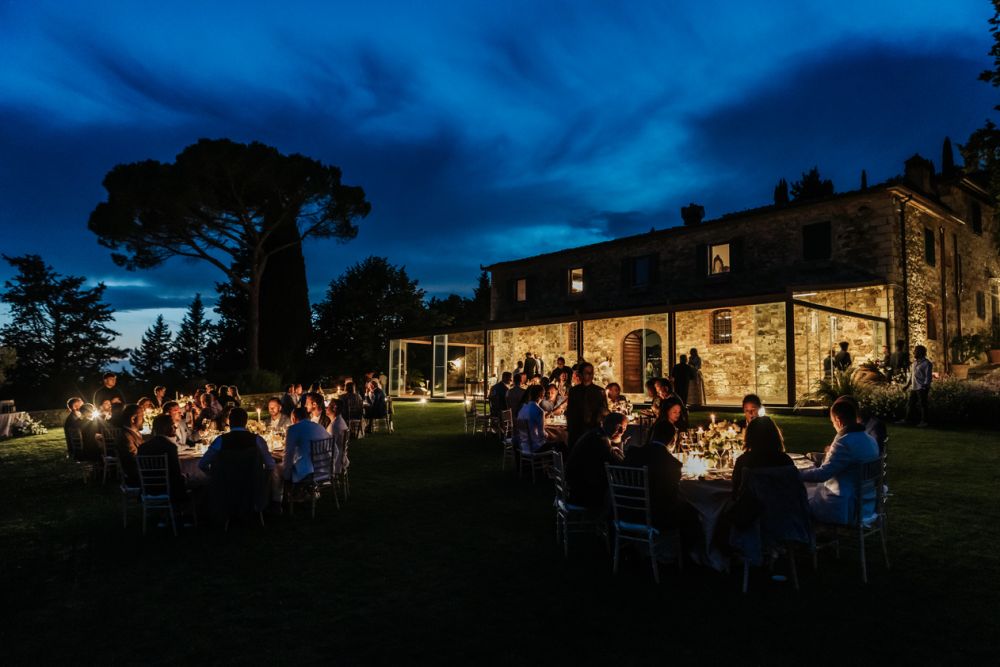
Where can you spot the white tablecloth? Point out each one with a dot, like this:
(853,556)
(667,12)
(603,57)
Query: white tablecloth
(8,419)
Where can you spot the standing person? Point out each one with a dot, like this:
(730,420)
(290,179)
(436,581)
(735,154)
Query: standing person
(587,405)
(696,390)
(515,394)
(540,365)
(74,421)
(288,401)
(921,375)
(829,365)
(682,375)
(843,359)
(899,363)
(530,365)
(109,392)
(560,367)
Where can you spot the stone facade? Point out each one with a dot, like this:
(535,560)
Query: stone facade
(904,260)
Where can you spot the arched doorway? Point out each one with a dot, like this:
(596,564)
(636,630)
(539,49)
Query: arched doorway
(642,358)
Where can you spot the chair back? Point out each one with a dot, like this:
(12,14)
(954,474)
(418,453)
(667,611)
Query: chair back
(521,435)
(342,447)
(109,440)
(238,483)
(75,439)
(559,477)
(154,479)
(470,407)
(507,423)
(321,452)
(869,486)
(783,503)
(629,491)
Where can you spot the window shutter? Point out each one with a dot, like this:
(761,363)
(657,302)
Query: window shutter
(627,266)
(701,260)
(654,269)
(512,289)
(736,254)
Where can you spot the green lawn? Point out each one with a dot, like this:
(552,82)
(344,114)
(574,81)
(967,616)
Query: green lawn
(439,556)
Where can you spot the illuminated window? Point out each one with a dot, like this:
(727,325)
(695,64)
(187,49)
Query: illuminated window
(576,281)
(521,289)
(573,331)
(718,259)
(722,327)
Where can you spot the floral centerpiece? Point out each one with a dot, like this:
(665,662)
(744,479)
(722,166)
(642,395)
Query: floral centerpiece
(721,443)
(27,426)
(256,426)
(148,416)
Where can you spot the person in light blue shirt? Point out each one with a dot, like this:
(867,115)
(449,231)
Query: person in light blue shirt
(832,501)
(298,446)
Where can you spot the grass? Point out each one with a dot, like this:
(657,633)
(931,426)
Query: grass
(438,556)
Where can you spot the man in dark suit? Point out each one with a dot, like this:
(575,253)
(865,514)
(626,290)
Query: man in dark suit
(682,375)
(73,421)
(585,474)
(586,407)
(530,366)
(110,392)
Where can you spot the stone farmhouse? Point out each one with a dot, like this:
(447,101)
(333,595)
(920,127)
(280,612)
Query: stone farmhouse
(764,295)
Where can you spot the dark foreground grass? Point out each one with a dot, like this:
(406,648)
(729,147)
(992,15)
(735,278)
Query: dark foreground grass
(438,557)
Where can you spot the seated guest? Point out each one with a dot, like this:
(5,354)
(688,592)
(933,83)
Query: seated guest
(225,400)
(207,415)
(515,394)
(105,410)
(73,420)
(553,403)
(298,465)
(238,438)
(316,408)
(666,429)
(351,405)
(664,476)
(563,382)
(529,430)
(617,402)
(146,403)
(498,394)
(92,424)
(765,448)
(653,396)
(833,500)
(376,405)
(164,442)
(222,420)
(159,396)
(338,429)
(751,410)
(181,432)
(585,474)
(682,375)
(234,395)
(288,401)
(128,445)
(279,421)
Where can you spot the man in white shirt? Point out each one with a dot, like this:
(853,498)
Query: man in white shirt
(530,423)
(298,446)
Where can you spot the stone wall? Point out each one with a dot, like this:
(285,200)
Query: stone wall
(753,362)
(818,332)
(603,346)
(546,341)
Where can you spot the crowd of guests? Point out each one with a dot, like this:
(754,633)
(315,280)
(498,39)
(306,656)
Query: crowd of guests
(110,425)
(597,426)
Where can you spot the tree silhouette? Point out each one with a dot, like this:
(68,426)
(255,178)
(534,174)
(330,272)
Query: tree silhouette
(812,186)
(151,360)
(222,202)
(189,350)
(58,330)
(781,193)
(360,308)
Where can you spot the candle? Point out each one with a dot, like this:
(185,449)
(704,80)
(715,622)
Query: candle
(258,414)
(713,419)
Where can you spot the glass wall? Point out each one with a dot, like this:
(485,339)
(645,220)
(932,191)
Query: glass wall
(442,366)
(546,342)
(628,350)
(818,335)
(742,350)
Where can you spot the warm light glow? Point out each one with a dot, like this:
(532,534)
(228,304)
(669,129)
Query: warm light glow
(762,412)
(423,400)
(694,465)
(457,364)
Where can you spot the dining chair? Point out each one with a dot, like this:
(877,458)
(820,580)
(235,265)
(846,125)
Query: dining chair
(154,481)
(321,452)
(535,461)
(633,517)
(861,526)
(570,518)
(506,435)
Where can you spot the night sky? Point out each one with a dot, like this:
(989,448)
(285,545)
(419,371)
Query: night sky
(480,131)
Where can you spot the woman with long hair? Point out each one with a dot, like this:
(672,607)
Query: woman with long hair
(667,426)
(765,448)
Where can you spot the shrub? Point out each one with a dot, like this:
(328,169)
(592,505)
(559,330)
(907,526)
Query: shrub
(885,401)
(963,403)
(263,381)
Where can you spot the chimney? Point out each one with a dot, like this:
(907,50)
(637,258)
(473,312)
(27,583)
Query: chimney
(692,214)
(864,179)
(920,174)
